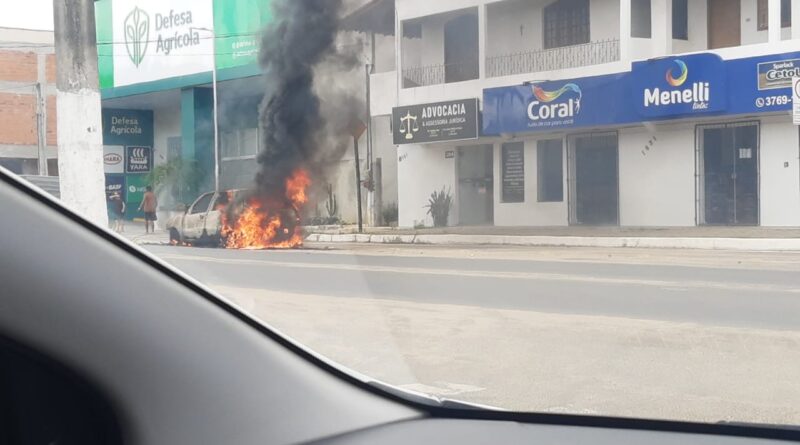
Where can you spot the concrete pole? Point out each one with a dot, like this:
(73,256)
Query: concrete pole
(41,131)
(80,136)
(358,184)
(377,177)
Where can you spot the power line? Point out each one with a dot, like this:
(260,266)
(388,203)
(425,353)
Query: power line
(218,36)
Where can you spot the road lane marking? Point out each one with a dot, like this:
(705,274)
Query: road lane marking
(534,276)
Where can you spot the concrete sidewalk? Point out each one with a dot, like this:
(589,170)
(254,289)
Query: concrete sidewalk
(722,238)
(134,231)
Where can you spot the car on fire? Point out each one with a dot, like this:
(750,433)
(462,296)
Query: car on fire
(236,218)
(201,222)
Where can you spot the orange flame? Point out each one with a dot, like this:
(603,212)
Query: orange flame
(260,227)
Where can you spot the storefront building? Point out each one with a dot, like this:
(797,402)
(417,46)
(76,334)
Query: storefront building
(156,63)
(634,116)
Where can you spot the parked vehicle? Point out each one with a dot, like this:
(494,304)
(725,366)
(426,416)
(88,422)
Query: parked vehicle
(201,223)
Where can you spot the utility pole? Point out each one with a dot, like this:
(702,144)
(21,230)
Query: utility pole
(214,93)
(80,136)
(358,183)
(357,128)
(41,132)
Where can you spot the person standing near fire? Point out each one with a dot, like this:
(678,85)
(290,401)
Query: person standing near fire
(149,205)
(118,212)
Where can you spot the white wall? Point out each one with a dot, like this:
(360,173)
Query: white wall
(422,169)
(780,185)
(514,26)
(531,212)
(383,93)
(658,188)
(750,32)
(384,148)
(166,124)
(384,53)
(749,18)
(408,9)
(697,29)
(603,19)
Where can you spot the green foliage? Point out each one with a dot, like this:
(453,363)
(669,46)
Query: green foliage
(390,214)
(179,178)
(438,207)
(330,204)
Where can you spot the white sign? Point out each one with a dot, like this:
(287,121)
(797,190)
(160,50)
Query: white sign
(157,39)
(114,159)
(796,100)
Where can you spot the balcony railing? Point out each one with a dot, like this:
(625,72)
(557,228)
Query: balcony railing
(437,74)
(573,56)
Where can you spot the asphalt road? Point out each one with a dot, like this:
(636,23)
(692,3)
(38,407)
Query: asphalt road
(676,334)
(753,290)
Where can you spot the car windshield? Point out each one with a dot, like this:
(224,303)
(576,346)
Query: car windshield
(583,207)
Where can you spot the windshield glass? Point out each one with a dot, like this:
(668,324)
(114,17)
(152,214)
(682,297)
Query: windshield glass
(565,206)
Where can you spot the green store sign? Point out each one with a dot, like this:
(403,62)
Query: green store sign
(141,41)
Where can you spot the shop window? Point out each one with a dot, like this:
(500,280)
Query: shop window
(763,14)
(550,170)
(641,26)
(680,19)
(566,22)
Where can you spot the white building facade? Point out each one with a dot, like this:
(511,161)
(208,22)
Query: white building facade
(593,112)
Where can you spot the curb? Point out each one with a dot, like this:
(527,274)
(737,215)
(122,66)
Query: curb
(742,244)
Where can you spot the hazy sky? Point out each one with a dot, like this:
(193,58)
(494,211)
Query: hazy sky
(32,14)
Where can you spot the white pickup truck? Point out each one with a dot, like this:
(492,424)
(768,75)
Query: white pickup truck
(201,222)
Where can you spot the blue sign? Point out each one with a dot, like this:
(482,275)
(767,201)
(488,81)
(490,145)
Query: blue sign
(552,106)
(677,86)
(127,127)
(668,88)
(115,184)
(746,93)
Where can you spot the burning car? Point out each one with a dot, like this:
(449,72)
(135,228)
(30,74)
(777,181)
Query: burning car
(201,223)
(244,219)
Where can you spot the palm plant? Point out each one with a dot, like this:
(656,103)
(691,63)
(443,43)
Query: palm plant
(438,207)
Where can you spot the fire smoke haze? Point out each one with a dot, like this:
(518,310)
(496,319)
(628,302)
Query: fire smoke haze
(311,95)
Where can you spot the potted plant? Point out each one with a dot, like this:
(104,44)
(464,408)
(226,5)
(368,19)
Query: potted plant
(438,207)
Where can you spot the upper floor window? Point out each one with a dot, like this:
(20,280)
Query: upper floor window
(763,14)
(461,48)
(566,22)
(640,19)
(680,19)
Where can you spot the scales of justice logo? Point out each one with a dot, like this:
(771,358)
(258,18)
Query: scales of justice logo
(409,125)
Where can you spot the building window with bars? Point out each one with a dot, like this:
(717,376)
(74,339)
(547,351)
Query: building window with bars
(566,22)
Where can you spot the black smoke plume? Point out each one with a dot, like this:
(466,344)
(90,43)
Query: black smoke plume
(301,37)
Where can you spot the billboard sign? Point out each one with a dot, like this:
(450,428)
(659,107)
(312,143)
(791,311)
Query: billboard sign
(435,122)
(142,41)
(674,86)
(661,89)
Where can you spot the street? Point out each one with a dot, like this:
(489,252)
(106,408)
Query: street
(675,334)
